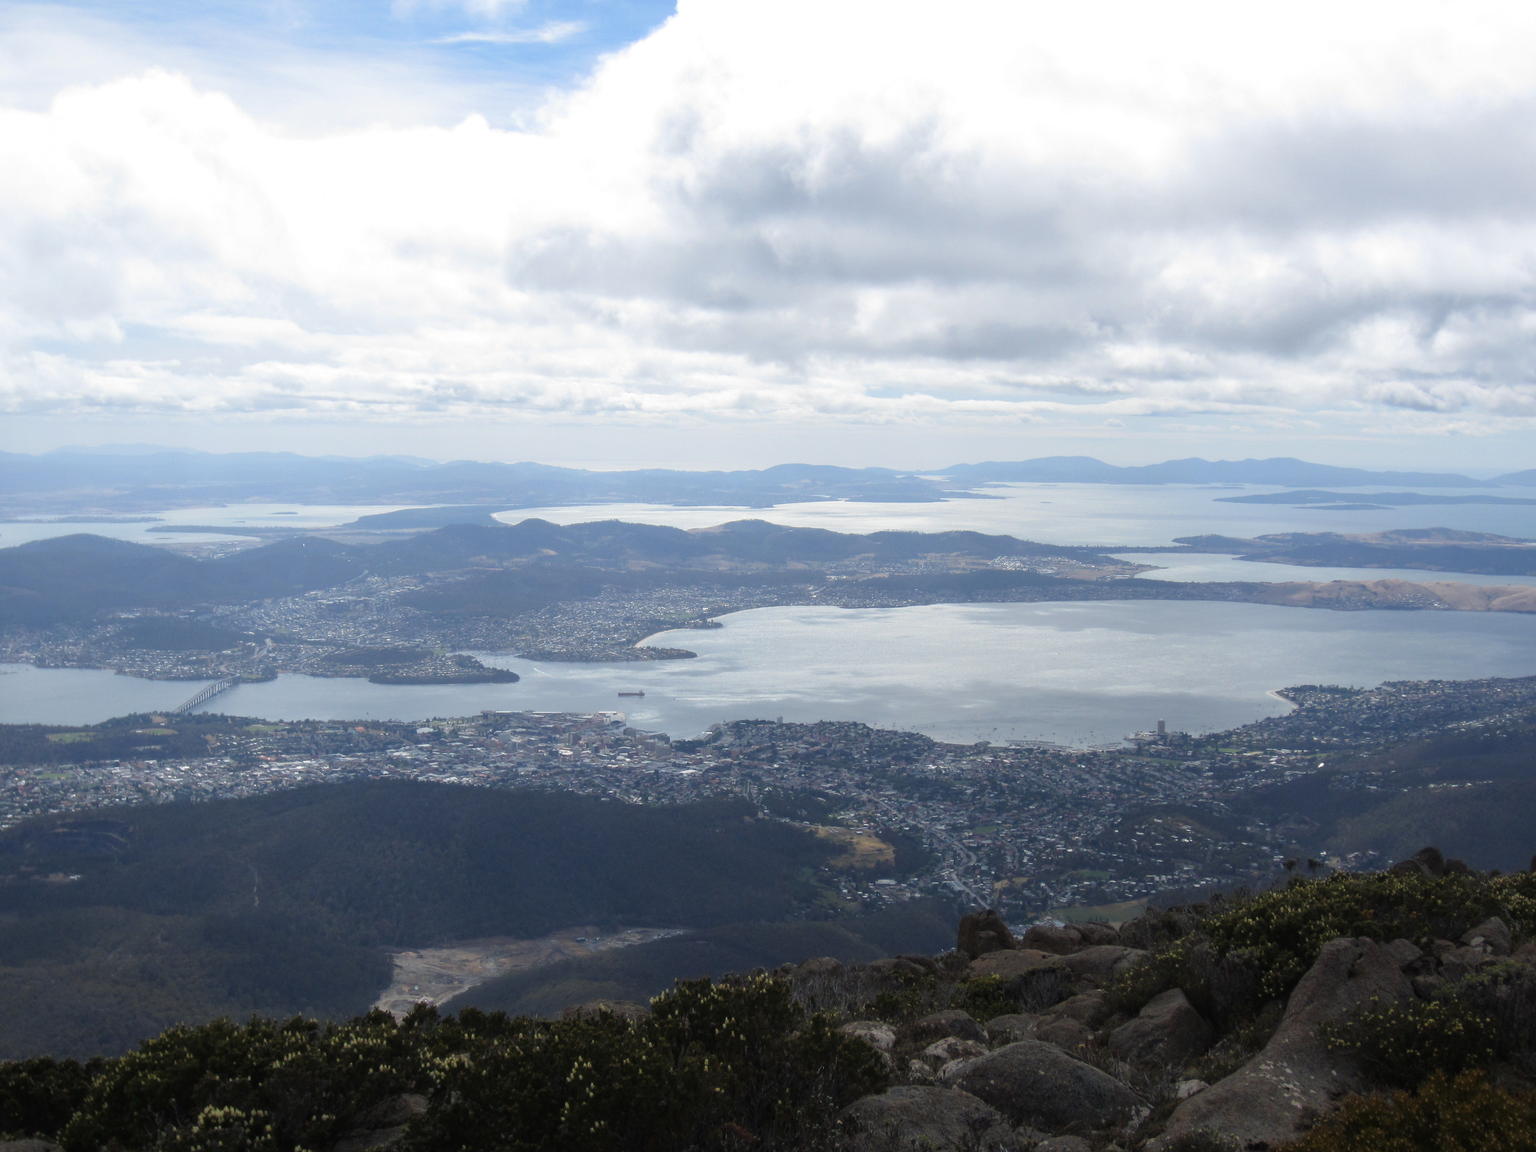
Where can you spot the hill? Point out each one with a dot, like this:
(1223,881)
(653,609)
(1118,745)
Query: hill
(1393,1010)
(1282,470)
(120,922)
(73,578)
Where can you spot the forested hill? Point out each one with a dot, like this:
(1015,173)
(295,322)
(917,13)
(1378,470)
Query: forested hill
(285,902)
(71,578)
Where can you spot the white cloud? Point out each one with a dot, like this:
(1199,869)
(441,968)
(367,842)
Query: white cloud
(552,32)
(789,210)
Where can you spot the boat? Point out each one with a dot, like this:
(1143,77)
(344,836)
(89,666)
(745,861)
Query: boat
(631,693)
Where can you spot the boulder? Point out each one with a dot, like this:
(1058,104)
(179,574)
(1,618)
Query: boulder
(950,1048)
(1102,962)
(1167,1031)
(1097,932)
(983,932)
(938,1025)
(383,1125)
(1492,934)
(1035,1083)
(876,1033)
(1010,1027)
(1404,953)
(1462,961)
(1089,1008)
(897,966)
(1064,1144)
(1051,938)
(916,1118)
(1295,1077)
(1066,1033)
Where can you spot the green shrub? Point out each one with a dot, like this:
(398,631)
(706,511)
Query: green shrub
(37,1096)
(715,1066)
(985,997)
(1487,1016)
(284,1084)
(1254,951)
(1460,1114)
(1402,1042)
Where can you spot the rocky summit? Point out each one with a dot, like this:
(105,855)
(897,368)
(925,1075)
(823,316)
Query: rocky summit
(1392,1010)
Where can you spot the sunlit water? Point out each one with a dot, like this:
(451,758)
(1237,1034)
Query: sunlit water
(1093,514)
(1074,673)
(1196,567)
(268,516)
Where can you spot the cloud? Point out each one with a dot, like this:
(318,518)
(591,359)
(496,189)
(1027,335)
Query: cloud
(801,211)
(551,33)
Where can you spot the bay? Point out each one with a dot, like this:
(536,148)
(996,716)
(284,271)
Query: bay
(1080,673)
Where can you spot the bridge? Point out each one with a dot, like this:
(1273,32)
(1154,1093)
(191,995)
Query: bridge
(206,694)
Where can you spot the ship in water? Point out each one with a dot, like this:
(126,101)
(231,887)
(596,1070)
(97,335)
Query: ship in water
(631,693)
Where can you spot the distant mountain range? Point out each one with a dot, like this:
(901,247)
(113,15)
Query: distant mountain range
(119,481)
(1280,470)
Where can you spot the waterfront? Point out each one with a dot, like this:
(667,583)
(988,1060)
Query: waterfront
(1077,673)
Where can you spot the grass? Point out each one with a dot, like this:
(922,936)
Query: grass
(860,849)
(70,737)
(1108,913)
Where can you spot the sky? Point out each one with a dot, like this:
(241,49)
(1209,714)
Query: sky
(737,232)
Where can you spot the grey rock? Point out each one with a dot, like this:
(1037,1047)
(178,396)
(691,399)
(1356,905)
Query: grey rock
(1425,987)
(1167,1030)
(1493,934)
(1010,1027)
(916,1118)
(1089,1008)
(898,965)
(876,1033)
(1097,932)
(384,1125)
(938,1025)
(1459,962)
(1295,1077)
(1064,1144)
(951,1048)
(1184,1089)
(1404,953)
(1050,938)
(1035,1083)
(1066,1033)
(983,932)
(1102,962)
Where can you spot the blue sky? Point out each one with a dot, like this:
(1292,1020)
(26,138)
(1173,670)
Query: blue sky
(753,230)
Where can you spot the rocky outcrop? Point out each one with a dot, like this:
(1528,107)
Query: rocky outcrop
(1035,1083)
(983,932)
(1295,1077)
(938,1025)
(1166,1031)
(918,1118)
